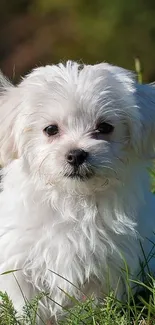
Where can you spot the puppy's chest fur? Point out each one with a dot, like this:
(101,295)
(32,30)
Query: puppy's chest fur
(77,240)
(55,237)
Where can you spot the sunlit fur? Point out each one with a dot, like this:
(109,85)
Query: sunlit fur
(82,229)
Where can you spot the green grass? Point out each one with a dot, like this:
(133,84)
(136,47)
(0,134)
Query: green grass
(135,310)
(140,311)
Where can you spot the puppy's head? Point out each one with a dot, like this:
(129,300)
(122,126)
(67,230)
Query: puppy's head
(73,125)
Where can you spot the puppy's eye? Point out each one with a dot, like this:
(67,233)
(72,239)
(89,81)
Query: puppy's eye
(51,130)
(105,128)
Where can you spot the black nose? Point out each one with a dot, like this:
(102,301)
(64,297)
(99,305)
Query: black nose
(76,157)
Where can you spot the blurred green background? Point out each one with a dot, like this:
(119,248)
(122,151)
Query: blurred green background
(37,32)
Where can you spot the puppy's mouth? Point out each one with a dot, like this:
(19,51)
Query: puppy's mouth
(81,175)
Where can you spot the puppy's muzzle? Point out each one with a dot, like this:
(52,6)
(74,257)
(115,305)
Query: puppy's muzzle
(80,167)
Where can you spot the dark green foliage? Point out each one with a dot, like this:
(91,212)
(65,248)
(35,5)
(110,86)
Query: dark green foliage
(35,32)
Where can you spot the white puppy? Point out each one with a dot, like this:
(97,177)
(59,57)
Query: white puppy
(76,143)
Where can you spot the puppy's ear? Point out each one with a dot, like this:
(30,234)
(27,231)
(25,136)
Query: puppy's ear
(8,113)
(145,104)
(140,111)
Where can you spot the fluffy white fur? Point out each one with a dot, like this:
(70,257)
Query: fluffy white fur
(50,224)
